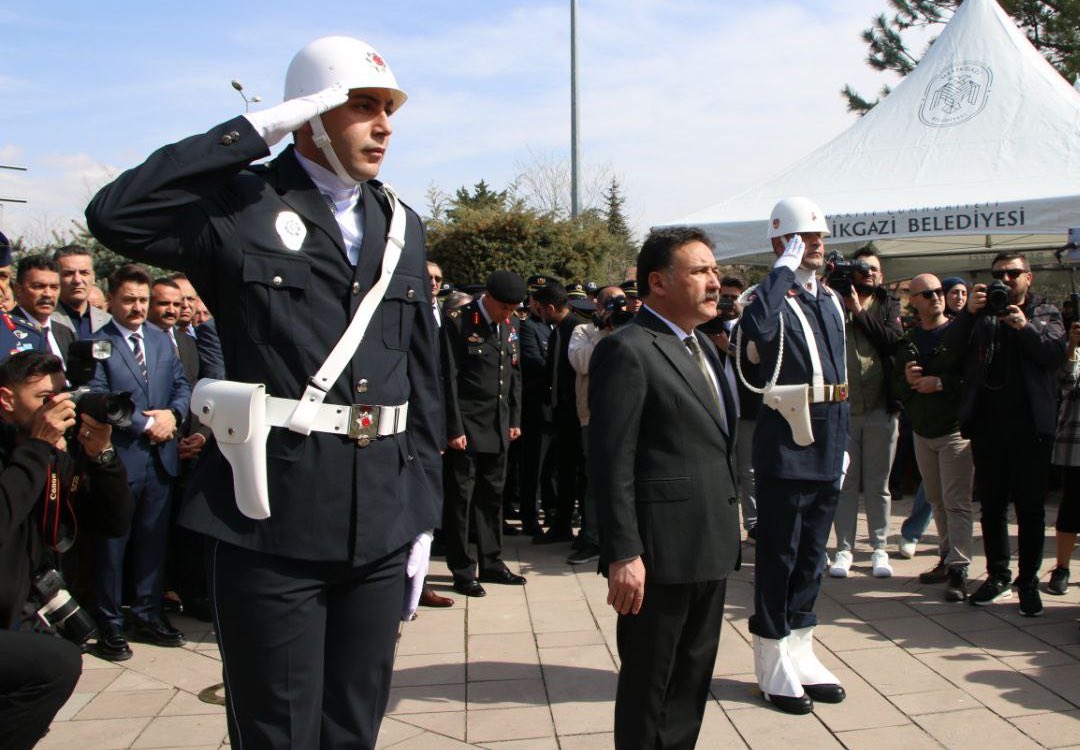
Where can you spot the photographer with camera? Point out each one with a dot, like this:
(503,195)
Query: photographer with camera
(873,318)
(47,487)
(1015,343)
(611,313)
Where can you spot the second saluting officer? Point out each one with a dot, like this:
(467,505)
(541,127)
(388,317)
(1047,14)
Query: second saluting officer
(795,328)
(482,383)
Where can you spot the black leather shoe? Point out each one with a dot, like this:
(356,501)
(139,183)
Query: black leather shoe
(111,644)
(502,575)
(825,693)
(469,587)
(158,631)
(791,705)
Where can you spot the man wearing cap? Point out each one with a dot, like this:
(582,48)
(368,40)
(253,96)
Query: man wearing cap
(633,301)
(482,386)
(307,582)
(16,334)
(794,326)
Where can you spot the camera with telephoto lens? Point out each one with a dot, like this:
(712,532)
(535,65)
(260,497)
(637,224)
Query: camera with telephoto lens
(108,407)
(56,607)
(840,273)
(998,298)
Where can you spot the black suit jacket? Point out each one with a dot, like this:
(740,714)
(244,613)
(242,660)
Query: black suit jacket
(64,336)
(659,463)
(560,375)
(266,254)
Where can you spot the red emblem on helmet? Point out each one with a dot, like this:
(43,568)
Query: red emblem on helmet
(775,223)
(376,61)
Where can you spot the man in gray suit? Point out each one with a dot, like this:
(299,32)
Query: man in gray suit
(661,438)
(76,281)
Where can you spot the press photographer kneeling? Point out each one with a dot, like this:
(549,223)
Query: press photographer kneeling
(49,487)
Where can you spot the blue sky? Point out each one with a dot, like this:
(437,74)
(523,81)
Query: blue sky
(686,101)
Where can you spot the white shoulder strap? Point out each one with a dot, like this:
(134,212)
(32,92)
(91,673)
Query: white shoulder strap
(303,417)
(817,380)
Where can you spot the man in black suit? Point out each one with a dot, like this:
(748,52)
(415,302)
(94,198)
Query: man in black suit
(37,290)
(284,253)
(552,302)
(482,383)
(536,467)
(660,452)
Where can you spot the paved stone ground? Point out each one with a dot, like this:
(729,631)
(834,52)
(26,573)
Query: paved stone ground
(534,668)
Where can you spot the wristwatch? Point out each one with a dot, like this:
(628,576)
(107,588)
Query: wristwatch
(106,455)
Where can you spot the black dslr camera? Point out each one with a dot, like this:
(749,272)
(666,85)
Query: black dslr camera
(998,298)
(840,273)
(113,408)
(57,608)
(614,313)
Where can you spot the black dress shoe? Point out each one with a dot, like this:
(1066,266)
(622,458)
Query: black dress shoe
(111,644)
(469,587)
(158,631)
(531,528)
(502,575)
(825,693)
(792,705)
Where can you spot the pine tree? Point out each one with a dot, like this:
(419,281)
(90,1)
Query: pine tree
(617,225)
(1053,27)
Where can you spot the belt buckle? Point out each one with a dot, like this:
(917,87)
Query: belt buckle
(363,423)
(840,392)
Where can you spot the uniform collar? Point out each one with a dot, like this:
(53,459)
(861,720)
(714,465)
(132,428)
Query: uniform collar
(805,278)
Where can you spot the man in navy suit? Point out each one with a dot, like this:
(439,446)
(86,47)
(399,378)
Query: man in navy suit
(143,363)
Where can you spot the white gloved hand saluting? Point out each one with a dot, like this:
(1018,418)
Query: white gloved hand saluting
(792,255)
(416,570)
(275,123)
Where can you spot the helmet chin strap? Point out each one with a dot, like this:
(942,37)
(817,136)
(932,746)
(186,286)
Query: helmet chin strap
(322,140)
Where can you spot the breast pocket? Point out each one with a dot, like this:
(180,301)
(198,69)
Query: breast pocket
(274,295)
(399,307)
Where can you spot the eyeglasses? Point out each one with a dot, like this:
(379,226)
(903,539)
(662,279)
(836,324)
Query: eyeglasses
(931,293)
(1012,273)
(437,279)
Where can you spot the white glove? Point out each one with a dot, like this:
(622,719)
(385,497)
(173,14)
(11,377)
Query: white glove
(792,255)
(416,569)
(275,123)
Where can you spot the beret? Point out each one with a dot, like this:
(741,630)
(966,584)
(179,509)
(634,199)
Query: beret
(506,286)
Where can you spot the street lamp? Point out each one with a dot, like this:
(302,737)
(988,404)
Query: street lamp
(240,90)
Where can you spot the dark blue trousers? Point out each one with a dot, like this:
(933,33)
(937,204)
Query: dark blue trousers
(144,544)
(794,518)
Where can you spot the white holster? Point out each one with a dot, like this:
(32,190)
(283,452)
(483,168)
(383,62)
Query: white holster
(793,403)
(236,412)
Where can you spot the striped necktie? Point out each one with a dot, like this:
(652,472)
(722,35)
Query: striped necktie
(699,359)
(136,349)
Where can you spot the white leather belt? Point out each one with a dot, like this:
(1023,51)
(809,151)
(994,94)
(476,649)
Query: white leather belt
(360,422)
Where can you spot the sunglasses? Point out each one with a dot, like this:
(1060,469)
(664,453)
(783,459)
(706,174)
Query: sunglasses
(1012,273)
(931,293)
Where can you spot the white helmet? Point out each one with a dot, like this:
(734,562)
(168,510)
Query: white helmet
(340,60)
(794,215)
(344,61)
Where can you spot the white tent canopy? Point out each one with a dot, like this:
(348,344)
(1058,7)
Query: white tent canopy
(976,151)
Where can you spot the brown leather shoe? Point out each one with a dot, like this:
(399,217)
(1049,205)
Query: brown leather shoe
(428,598)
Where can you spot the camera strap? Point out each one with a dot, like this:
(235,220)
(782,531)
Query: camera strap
(58,523)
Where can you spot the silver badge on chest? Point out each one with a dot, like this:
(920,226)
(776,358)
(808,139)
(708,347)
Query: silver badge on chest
(291,230)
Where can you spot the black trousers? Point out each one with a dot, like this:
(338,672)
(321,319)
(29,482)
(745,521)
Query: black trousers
(38,673)
(570,461)
(472,497)
(537,470)
(1012,470)
(667,652)
(307,648)
(794,518)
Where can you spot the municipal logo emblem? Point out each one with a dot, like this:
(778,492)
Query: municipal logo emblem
(290,229)
(956,95)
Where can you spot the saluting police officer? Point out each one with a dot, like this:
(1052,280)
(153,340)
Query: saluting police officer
(798,453)
(16,334)
(306,599)
(482,383)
